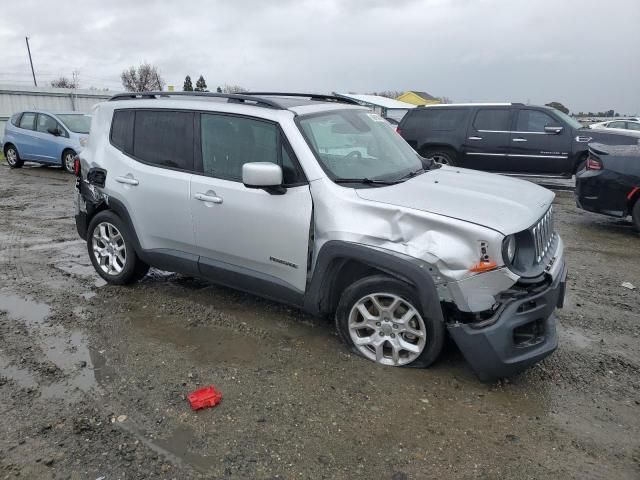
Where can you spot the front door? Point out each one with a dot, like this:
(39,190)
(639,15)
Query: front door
(487,142)
(535,150)
(250,232)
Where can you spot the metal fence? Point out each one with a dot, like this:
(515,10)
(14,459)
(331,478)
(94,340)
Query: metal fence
(17,98)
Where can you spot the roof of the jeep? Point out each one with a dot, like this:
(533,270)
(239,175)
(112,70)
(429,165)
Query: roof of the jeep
(298,103)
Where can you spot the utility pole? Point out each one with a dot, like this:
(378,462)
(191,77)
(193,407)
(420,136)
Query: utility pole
(31,62)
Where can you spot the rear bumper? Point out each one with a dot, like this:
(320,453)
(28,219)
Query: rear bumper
(520,334)
(601,191)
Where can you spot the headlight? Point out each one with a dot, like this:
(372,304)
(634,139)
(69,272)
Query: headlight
(83,141)
(510,247)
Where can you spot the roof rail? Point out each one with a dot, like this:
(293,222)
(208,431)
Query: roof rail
(320,97)
(231,97)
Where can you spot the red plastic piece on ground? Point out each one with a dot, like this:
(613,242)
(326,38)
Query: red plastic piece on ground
(204,398)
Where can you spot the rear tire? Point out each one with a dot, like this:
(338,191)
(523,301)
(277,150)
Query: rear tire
(635,215)
(68,161)
(111,250)
(380,318)
(442,156)
(12,157)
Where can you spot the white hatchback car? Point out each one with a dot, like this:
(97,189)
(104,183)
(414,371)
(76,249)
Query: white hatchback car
(317,202)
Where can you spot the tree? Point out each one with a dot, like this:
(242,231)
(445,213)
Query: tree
(63,82)
(142,79)
(201,85)
(234,89)
(558,106)
(219,89)
(188,86)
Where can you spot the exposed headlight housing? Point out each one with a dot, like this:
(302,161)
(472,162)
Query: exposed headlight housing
(510,248)
(83,141)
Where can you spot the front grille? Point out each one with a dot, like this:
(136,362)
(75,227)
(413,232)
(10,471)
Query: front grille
(543,233)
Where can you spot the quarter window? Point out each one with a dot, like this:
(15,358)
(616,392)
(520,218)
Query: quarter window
(533,121)
(164,138)
(436,118)
(492,119)
(27,121)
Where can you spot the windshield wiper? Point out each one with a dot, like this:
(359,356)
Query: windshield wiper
(411,174)
(366,181)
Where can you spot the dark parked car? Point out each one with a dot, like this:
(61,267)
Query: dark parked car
(610,183)
(503,137)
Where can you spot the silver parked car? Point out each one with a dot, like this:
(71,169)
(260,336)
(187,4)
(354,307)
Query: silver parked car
(317,202)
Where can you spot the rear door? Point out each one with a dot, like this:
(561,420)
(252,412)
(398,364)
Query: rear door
(248,231)
(487,143)
(535,151)
(150,171)
(25,139)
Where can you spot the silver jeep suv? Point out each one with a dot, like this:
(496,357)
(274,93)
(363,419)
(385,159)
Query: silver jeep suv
(317,202)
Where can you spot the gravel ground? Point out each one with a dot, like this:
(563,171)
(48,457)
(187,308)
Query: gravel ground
(93,378)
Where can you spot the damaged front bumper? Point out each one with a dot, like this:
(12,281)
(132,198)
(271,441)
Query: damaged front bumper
(521,332)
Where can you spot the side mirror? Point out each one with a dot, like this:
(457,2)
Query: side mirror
(265,175)
(553,129)
(54,131)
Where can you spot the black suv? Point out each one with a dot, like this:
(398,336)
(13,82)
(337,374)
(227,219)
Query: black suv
(503,137)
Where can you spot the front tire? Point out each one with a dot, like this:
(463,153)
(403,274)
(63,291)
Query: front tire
(12,156)
(379,318)
(443,157)
(68,161)
(111,250)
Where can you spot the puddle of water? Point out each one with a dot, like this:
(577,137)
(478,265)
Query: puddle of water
(178,444)
(205,344)
(68,350)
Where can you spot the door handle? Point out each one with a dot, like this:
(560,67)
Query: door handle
(519,139)
(128,180)
(208,197)
(475,138)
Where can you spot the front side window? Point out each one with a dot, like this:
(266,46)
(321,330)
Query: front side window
(78,123)
(27,121)
(492,119)
(46,123)
(164,138)
(228,142)
(533,121)
(357,144)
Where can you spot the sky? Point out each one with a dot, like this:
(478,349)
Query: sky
(582,53)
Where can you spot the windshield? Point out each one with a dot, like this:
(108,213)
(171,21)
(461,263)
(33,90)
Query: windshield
(570,120)
(76,122)
(358,144)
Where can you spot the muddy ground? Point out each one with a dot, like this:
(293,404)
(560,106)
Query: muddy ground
(93,377)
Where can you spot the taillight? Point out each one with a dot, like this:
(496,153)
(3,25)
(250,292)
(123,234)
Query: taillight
(594,164)
(76,166)
(398,131)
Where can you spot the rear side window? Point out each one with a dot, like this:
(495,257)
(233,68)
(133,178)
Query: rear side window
(122,130)
(492,119)
(436,119)
(164,138)
(28,121)
(533,121)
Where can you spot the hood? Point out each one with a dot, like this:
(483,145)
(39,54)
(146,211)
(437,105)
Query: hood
(501,203)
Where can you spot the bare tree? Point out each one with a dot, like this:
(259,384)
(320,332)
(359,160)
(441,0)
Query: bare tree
(233,89)
(444,99)
(388,93)
(142,79)
(64,82)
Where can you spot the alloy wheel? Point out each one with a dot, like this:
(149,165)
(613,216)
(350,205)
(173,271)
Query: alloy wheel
(109,249)
(69,162)
(441,159)
(12,156)
(387,329)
